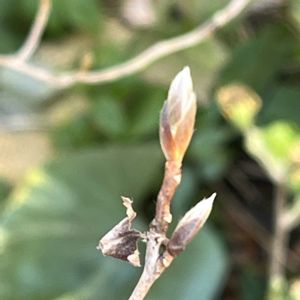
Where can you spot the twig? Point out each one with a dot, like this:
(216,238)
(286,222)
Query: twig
(171,180)
(279,243)
(249,224)
(154,264)
(176,129)
(279,236)
(136,64)
(33,39)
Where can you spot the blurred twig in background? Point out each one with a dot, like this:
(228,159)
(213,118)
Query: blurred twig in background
(136,64)
(50,105)
(34,37)
(240,106)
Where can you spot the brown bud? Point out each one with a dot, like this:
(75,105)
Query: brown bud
(177,117)
(121,241)
(190,225)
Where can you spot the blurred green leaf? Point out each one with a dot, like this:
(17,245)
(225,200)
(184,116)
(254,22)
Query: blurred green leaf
(252,284)
(295,11)
(65,14)
(77,133)
(280,137)
(53,222)
(257,62)
(109,116)
(278,290)
(5,188)
(271,146)
(282,104)
(146,118)
(181,281)
(201,10)
(128,109)
(9,41)
(239,104)
(209,149)
(23,91)
(184,195)
(198,273)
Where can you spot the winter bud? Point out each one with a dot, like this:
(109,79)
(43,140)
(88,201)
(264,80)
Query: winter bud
(177,117)
(190,225)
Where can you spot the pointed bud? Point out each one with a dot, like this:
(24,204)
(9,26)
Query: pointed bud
(190,225)
(177,117)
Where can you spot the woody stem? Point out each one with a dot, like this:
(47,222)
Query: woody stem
(170,182)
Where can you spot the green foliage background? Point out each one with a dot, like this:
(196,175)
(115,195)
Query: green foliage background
(51,220)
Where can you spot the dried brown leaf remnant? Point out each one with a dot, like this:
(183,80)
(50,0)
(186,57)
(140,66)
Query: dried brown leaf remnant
(121,241)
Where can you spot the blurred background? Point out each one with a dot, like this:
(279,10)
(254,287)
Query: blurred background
(68,154)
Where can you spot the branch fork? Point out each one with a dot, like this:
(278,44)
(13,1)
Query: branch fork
(177,121)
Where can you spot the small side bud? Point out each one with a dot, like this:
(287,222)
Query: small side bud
(177,117)
(121,241)
(239,104)
(190,225)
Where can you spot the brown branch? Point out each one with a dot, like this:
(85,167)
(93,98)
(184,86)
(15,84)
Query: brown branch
(155,265)
(177,122)
(33,39)
(171,180)
(176,129)
(134,65)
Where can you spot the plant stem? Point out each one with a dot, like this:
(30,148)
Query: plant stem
(279,243)
(148,276)
(156,263)
(170,182)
